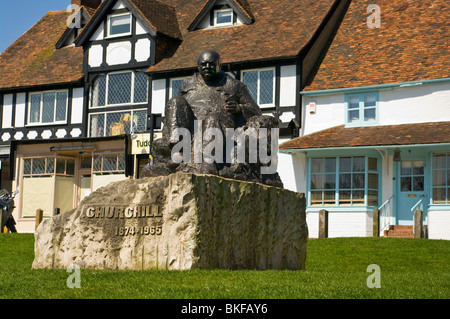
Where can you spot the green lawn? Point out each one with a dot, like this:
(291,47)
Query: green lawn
(335,268)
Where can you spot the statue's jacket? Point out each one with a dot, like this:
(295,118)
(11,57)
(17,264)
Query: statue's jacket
(210,99)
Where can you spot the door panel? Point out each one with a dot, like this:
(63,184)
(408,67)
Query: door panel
(411,189)
(85,186)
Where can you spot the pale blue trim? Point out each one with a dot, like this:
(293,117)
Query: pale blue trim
(340,209)
(438,207)
(374,87)
(292,150)
(361,122)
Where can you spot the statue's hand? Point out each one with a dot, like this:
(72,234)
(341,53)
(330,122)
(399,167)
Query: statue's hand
(233,107)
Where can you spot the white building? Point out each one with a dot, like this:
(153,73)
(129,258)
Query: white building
(375,129)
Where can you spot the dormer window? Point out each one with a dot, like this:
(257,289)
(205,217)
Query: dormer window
(223,17)
(119,25)
(223,13)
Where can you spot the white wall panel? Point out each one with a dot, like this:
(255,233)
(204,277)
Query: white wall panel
(99,34)
(95,57)
(77,106)
(7,111)
(118,53)
(159,96)
(142,50)
(140,28)
(119,5)
(20,110)
(288,80)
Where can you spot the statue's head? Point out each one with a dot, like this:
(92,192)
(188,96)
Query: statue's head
(209,65)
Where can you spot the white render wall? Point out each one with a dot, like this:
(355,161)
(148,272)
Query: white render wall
(439,224)
(416,104)
(292,170)
(401,105)
(342,224)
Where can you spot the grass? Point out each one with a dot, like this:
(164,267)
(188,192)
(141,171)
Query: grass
(336,268)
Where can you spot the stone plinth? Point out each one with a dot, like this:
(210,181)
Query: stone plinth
(181,221)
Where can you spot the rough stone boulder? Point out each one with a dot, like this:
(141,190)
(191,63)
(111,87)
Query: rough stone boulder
(181,221)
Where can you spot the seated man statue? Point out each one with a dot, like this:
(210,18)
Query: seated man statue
(211,100)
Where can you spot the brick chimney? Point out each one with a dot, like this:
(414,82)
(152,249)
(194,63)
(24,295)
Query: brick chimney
(87,3)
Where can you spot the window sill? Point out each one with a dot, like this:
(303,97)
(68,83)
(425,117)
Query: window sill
(118,35)
(362,124)
(46,124)
(439,207)
(139,104)
(340,209)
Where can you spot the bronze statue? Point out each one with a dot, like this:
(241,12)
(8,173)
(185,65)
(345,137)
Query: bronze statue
(211,100)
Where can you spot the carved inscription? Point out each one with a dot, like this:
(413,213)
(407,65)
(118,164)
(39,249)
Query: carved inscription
(129,212)
(144,230)
(141,211)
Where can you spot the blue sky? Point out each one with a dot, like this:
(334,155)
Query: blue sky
(17,16)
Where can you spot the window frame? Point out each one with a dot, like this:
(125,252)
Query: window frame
(46,173)
(106,129)
(267,105)
(361,108)
(108,25)
(41,106)
(93,105)
(446,171)
(217,11)
(102,171)
(337,188)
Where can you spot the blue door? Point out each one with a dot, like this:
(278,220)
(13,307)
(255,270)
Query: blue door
(412,183)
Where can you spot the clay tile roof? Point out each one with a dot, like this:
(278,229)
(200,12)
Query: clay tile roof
(280,30)
(90,11)
(245,7)
(33,59)
(405,134)
(160,16)
(412,44)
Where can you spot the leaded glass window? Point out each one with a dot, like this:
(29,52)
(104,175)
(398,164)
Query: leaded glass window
(48,107)
(108,163)
(117,123)
(119,89)
(46,166)
(261,85)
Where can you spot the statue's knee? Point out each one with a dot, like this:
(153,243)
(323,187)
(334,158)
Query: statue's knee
(263,121)
(176,103)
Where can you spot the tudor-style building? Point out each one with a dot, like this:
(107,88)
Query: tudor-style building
(75,94)
(375,127)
